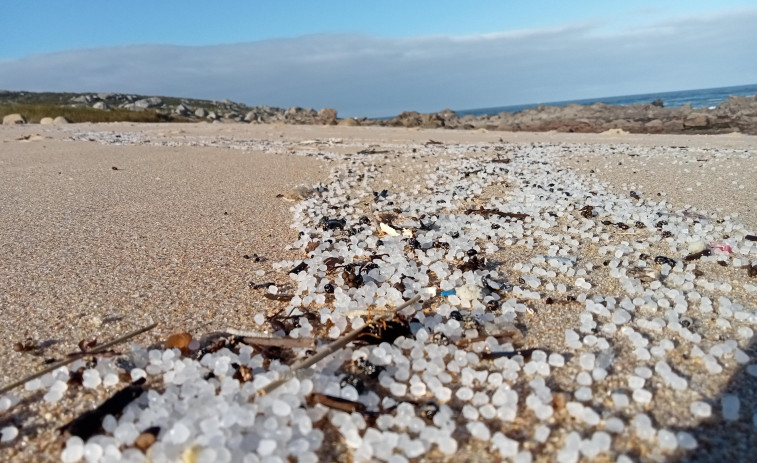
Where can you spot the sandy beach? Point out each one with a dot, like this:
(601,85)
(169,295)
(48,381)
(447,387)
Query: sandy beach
(110,227)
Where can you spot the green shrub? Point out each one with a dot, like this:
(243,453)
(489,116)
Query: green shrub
(35,112)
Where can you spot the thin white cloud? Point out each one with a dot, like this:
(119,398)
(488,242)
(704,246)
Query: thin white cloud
(380,76)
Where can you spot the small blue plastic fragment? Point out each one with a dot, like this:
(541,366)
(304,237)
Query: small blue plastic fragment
(449,293)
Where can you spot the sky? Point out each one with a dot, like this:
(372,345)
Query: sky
(369,58)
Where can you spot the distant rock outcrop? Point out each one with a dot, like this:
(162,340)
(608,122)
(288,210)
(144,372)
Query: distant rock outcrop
(431,121)
(298,115)
(46,121)
(81,99)
(737,114)
(13,119)
(696,120)
(405,119)
(60,120)
(450,118)
(251,116)
(182,110)
(152,102)
(327,116)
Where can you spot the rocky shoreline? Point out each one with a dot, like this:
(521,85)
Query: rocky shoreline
(737,114)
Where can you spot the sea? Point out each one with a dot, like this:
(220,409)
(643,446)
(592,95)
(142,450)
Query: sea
(701,98)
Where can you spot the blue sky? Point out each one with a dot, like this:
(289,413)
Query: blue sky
(378,58)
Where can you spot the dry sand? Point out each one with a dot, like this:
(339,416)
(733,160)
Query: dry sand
(89,251)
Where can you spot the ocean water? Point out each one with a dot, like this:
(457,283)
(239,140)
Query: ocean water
(702,98)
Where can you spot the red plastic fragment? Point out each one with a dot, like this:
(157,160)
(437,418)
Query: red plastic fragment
(722,247)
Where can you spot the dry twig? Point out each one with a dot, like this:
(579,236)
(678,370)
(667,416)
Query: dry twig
(289,343)
(330,349)
(96,350)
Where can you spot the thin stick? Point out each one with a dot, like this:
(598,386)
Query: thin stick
(73,358)
(289,343)
(249,333)
(328,350)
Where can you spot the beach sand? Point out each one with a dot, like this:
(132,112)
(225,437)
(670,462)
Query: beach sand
(107,228)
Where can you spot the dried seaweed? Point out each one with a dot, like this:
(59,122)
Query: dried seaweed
(525,353)
(29,346)
(327,351)
(76,378)
(337,403)
(243,373)
(279,297)
(59,364)
(90,423)
(386,330)
(473,263)
(85,345)
(487,212)
(663,260)
(352,278)
(697,255)
(333,262)
(373,151)
(265,285)
(299,268)
(333,224)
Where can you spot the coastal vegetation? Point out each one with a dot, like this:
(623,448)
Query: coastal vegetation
(33,113)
